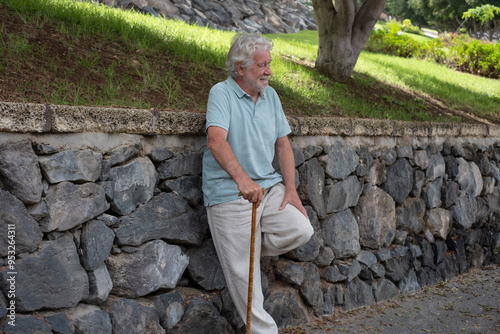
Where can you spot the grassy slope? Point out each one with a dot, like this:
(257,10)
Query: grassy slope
(72,53)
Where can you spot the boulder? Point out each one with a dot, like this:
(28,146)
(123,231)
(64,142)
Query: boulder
(51,277)
(131,316)
(204,267)
(70,205)
(152,266)
(166,216)
(19,171)
(376,214)
(90,319)
(17,228)
(341,234)
(72,166)
(130,185)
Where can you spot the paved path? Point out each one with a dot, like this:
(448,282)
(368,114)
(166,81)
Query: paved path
(468,304)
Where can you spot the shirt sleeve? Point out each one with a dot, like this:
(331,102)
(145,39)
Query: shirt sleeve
(218,111)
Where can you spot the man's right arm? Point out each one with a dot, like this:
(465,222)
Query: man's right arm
(224,155)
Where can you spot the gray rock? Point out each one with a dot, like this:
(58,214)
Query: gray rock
(153,266)
(290,272)
(308,251)
(358,294)
(3,308)
(17,228)
(436,167)
(310,289)
(399,251)
(188,187)
(449,194)
(167,216)
(130,316)
(89,319)
(59,323)
(185,163)
(170,307)
(404,151)
(122,153)
(465,211)
(466,176)
(43,149)
(451,166)
(350,270)
(286,307)
(378,270)
(131,185)
(396,268)
(449,268)
(325,257)
(95,242)
(409,283)
(421,159)
(440,250)
(419,181)
(27,324)
(202,317)
(204,267)
(399,181)
(332,275)
(367,258)
(384,290)
(19,171)
(426,276)
(100,285)
(51,277)
(341,234)
(312,184)
(70,205)
(376,174)
(439,222)
(161,153)
(343,194)
(432,194)
(384,254)
(410,215)
(340,161)
(427,253)
(365,161)
(376,218)
(72,166)
(329,297)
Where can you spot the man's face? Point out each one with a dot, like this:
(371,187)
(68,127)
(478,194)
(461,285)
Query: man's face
(255,77)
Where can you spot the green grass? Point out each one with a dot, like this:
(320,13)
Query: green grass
(201,51)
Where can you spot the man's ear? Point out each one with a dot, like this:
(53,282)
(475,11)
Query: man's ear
(239,68)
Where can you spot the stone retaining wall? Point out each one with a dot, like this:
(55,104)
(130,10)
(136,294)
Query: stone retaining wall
(102,226)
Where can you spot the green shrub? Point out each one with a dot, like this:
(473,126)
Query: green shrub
(464,53)
(400,45)
(478,57)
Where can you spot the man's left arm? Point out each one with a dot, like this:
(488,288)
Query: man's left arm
(286,162)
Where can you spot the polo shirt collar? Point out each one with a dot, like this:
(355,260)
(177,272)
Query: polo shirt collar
(240,92)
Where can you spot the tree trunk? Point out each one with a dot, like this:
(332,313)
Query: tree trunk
(343,31)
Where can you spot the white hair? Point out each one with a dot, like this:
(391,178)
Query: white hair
(243,47)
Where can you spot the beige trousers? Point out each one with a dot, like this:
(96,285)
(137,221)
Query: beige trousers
(277,232)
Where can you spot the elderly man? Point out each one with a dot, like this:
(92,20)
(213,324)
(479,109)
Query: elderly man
(246,128)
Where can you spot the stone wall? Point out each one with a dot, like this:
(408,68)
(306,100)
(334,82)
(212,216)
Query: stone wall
(255,16)
(102,226)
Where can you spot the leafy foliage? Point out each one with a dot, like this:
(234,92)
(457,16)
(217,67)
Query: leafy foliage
(456,50)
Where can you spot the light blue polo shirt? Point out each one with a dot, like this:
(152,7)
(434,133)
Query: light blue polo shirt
(252,132)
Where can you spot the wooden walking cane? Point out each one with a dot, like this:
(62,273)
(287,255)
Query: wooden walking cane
(252,259)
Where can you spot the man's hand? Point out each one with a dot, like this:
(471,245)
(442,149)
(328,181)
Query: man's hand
(291,197)
(251,191)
